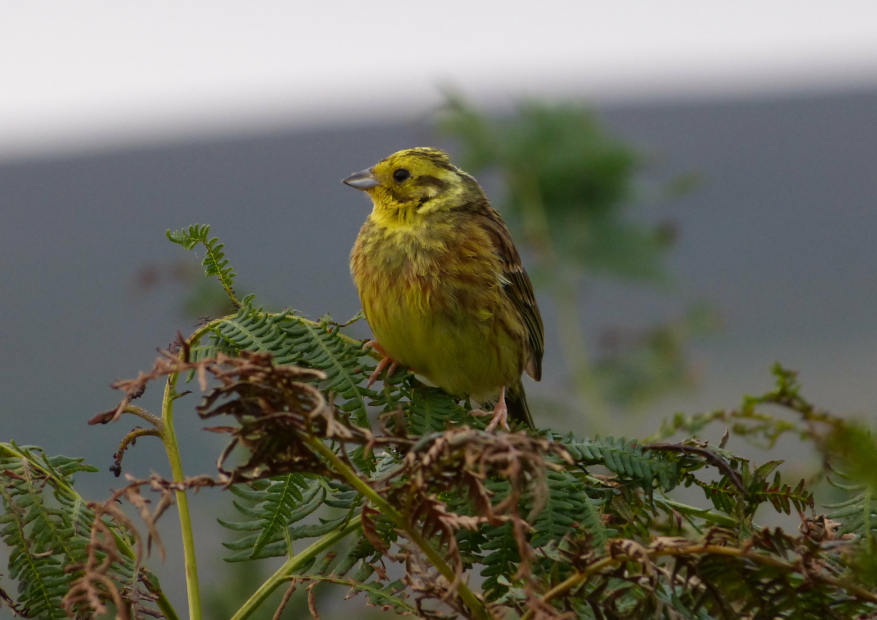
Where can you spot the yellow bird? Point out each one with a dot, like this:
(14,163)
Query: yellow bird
(442,285)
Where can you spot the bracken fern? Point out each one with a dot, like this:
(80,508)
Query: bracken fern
(405,509)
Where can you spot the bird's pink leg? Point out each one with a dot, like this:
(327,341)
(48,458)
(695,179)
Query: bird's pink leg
(500,413)
(385,361)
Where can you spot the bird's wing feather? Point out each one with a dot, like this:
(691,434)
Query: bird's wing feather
(517,288)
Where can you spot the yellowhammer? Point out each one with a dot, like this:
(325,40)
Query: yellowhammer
(442,285)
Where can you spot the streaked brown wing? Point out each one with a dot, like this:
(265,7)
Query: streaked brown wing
(518,288)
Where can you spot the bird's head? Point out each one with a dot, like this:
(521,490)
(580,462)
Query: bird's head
(411,184)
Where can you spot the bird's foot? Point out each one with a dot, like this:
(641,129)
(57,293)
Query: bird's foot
(385,361)
(500,414)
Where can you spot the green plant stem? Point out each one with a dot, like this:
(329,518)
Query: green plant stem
(403,524)
(169,437)
(701,513)
(9,452)
(202,331)
(369,588)
(142,413)
(292,565)
(165,606)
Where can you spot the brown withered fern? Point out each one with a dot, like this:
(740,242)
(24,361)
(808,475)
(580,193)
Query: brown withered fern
(275,408)
(396,495)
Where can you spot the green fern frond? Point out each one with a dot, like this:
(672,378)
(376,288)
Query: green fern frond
(858,516)
(426,409)
(250,329)
(189,238)
(45,540)
(42,578)
(783,497)
(359,551)
(567,509)
(274,509)
(382,596)
(501,556)
(321,346)
(723,494)
(759,591)
(341,495)
(285,500)
(393,393)
(501,564)
(313,530)
(291,339)
(726,496)
(281,500)
(432,410)
(625,459)
(214,260)
(364,571)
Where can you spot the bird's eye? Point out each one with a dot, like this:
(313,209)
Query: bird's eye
(400,175)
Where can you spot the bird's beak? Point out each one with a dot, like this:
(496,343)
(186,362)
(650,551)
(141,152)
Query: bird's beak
(362,180)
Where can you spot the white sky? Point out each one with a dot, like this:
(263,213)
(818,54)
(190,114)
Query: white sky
(94,74)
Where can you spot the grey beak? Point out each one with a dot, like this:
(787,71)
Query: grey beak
(362,180)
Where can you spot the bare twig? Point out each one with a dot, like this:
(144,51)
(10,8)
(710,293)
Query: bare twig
(5,598)
(285,600)
(129,440)
(312,601)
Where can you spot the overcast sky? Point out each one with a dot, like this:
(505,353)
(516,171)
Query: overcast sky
(89,74)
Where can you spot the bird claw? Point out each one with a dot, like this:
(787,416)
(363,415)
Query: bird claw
(500,414)
(373,344)
(381,366)
(386,361)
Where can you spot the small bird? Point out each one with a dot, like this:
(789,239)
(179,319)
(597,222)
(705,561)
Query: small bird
(442,286)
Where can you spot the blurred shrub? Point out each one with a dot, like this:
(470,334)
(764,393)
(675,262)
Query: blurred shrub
(570,189)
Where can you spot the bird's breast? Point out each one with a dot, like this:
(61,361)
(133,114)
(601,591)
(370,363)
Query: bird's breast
(425,272)
(436,307)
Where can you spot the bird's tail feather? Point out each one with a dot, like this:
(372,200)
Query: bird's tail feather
(516,401)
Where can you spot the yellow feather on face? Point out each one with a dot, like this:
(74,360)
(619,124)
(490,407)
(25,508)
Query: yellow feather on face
(440,281)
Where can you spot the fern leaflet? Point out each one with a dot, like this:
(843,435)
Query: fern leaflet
(859,515)
(214,260)
(625,459)
(45,540)
(321,345)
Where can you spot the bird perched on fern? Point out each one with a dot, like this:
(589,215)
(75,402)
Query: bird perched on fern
(442,285)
